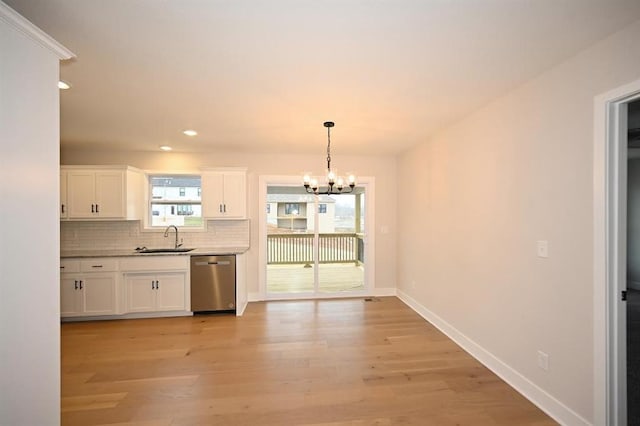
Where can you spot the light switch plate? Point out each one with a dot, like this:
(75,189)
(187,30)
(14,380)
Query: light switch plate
(543,360)
(543,248)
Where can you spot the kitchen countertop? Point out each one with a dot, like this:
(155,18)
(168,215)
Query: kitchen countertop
(123,252)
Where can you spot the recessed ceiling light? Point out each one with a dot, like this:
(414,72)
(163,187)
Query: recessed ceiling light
(63,85)
(190,132)
(165,148)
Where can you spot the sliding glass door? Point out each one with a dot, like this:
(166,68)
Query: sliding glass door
(315,244)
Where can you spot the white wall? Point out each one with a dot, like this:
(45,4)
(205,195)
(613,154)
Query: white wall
(382,168)
(29,229)
(517,171)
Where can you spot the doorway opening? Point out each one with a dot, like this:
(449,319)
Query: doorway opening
(315,246)
(633,264)
(615,216)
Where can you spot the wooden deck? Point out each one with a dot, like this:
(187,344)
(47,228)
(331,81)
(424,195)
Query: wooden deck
(323,362)
(334,278)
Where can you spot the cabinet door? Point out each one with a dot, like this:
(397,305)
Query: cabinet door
(141,293)
(69,295)
(170,294)
(109,197)
(81,194)
(99,294)
(63,195)
(212,194)
(235,195)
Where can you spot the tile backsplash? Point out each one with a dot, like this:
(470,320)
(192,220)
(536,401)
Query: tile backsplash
(127,235)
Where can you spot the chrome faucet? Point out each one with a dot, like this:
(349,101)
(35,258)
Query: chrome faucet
(166,234)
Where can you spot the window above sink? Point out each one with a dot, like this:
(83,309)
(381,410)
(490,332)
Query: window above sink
(174,200)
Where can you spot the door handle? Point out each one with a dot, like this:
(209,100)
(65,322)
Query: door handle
(80,284)
(75,284)
(92,208)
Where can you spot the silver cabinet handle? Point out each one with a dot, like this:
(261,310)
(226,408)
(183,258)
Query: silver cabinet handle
(219,262)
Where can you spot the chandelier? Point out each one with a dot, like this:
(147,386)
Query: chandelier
(335,184)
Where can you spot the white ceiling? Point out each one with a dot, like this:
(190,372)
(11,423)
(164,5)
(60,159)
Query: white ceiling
(264,75)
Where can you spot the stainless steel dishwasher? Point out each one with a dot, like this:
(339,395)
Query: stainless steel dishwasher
(213,283)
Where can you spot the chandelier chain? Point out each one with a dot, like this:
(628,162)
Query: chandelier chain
(329,148)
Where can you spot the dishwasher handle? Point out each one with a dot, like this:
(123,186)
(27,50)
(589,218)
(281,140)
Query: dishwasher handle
(218,262)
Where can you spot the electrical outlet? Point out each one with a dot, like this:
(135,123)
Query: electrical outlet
(543,360)
(543,248)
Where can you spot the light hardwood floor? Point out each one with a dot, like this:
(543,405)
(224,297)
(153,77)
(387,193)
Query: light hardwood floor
(328,362)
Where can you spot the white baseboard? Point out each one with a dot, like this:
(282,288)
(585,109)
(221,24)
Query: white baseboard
(547,403)
(240,309)
(254,297)
(136,315)
(378,292)
(384,291)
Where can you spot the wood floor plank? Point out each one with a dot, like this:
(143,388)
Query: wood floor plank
(328,362)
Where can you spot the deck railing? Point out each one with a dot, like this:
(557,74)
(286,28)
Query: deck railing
(298,248)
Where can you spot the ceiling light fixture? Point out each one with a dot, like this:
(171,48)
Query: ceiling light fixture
(190,132)
(63,85)
(165,148)
(335,184)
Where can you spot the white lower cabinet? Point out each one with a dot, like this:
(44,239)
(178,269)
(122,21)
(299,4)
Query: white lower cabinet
(88,294)
(155,292)
(129,287)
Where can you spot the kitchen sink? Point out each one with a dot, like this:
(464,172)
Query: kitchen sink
(164,250)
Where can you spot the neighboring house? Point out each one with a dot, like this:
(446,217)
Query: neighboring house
(295,212)
(175,200)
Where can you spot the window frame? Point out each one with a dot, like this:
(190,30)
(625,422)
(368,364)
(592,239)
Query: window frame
(149,201)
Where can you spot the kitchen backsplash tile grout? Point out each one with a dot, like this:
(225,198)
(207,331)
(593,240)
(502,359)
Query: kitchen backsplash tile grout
(124,235)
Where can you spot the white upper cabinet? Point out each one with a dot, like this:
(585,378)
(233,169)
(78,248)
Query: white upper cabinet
(224,193)
(103,193)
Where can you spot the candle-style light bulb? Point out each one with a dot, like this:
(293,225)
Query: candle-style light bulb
(340,184)
(314,184)
(331,177)
(352,180)
(306,179)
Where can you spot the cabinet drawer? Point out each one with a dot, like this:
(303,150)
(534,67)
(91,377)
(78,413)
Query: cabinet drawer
(68,265)
(154,263)
(99,265)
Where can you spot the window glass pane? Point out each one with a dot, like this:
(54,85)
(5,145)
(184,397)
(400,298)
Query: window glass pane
(292,208)
(345,208)
(175,200)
